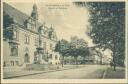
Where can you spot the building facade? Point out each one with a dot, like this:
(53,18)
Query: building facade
(26,40)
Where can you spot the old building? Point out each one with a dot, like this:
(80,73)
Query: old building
(26,40)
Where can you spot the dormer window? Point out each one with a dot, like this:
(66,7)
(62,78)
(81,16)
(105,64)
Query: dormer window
(30,23)
(42,30)
(28,26)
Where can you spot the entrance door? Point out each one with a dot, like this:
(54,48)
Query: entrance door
(26,58)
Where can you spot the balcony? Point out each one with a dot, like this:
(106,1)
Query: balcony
(16,42)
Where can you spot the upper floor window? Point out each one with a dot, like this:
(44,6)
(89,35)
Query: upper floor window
(50,57)
(31,23)
(4,64)
(30,26)
(15,35)
(51,47)
(56,57)
(27,39)
(44,45)
(36,41)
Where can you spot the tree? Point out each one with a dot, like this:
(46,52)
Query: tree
(78,47)
(107,20)
(108,27)
(62,47)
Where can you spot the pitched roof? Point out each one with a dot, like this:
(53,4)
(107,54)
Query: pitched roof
(17,15)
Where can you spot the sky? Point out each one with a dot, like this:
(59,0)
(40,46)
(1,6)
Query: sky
(66,18)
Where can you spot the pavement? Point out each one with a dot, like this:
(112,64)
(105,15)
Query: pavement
(118,74)
(20,73)
(83,72)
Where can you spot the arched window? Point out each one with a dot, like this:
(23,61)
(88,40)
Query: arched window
(50,56)
(26,58)
(56,57)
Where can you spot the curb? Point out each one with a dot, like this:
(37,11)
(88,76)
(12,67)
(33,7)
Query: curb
(38,73)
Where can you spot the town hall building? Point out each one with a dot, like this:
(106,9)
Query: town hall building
(26,40)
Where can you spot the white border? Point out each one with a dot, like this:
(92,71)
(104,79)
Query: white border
(62,80)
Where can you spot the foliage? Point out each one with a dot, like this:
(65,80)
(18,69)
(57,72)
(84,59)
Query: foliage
(76,47)
(108,27)
(62,47)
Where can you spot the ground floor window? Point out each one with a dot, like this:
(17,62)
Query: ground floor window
(17,63)
(12,63)
(56,63)
(4,64)
(14,51)
(50,62)
(50,57)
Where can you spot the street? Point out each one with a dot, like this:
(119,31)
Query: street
(87,72)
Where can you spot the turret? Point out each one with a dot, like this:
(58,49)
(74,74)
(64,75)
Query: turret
(34,13)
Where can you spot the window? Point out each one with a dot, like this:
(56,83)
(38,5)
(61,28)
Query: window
(14,51)
(17,63)
(56,63)
(15,35)
(50,56)
(26,39)
(28,25)
(36,41)
(4,64)
(12,63)
(50,46)
(42,31)
(56,57)
(32,26)
(44,45)
(50,62)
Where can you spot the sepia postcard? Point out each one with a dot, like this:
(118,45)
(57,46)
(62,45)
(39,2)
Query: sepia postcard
(64,41)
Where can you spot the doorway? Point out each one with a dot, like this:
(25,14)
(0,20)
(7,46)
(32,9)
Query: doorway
(26,58)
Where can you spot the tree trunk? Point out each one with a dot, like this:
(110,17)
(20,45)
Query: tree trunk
(76,60)
(84,60)
(101,60)
(62,60)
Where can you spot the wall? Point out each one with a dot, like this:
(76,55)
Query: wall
(30,48)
